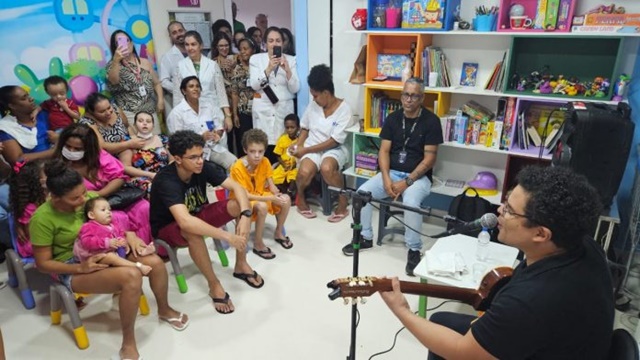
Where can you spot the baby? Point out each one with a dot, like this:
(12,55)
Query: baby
(62,111)
(99,235)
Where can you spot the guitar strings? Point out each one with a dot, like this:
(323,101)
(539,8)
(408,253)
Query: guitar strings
(395,337)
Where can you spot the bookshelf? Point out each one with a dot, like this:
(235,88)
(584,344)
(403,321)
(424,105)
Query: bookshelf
(617,51)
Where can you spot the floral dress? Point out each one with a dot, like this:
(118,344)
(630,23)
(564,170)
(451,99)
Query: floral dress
(151,160)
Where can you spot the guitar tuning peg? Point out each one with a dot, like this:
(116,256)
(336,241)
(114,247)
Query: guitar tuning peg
(357,299)
(346,301)
(363,300)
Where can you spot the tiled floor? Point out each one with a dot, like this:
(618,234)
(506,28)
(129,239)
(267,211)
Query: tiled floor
(291,317)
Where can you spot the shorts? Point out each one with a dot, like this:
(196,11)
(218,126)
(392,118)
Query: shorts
(341,154)
(65,279)
(214,214)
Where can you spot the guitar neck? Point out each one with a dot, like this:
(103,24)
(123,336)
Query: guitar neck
(467,296)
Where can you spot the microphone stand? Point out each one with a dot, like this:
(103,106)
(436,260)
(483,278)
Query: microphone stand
(359,200)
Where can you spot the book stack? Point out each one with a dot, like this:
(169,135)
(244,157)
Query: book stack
(381,107)
(435,61)
(366,163)
(477,111)
(496,80)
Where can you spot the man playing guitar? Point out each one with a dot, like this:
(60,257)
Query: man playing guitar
(559,302)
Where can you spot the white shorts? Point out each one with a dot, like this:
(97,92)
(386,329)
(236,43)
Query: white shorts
(341,154)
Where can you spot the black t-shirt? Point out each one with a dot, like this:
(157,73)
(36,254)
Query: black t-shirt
(167,190)
(427,131)
(560,307)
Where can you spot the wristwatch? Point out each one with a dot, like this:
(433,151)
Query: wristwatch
(409,181)
(246,213)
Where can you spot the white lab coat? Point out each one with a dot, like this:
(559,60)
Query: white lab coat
(168,63)
(182,117)
(267,116)
(210,77)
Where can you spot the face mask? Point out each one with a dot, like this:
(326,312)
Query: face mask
(72,155)
(145,136)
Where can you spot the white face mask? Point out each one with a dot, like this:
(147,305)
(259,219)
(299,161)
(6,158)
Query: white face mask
(145,136)
(72,155)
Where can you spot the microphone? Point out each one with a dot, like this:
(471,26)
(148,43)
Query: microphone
(488,221)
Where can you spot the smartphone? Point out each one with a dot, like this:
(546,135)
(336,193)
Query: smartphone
(277,51)
(123,44)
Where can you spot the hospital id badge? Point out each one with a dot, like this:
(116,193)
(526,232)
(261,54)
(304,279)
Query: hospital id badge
(402,157)
(142,91)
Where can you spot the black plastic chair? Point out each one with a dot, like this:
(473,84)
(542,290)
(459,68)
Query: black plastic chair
(623,346)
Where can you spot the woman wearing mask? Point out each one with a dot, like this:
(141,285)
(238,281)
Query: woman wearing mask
(78,147)
(276,74)
(207,71)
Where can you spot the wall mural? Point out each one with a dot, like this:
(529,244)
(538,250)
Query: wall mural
(69,38)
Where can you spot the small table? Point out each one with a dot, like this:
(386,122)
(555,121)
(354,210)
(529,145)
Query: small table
(499,255)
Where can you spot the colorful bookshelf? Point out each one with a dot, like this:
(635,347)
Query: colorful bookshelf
(394,44)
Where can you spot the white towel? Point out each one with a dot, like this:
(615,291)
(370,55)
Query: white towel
(26,137)
(449,264)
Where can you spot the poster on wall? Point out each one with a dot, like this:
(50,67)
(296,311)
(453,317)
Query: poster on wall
(69,38)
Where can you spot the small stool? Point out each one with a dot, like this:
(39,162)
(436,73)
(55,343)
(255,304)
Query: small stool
(385,214)
(175,264)
(61,296)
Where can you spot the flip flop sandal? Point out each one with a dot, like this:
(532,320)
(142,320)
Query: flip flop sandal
(265,253)
(245,277)
(284,242)
(309,214)
(334,218)
(172,321)
(224,300)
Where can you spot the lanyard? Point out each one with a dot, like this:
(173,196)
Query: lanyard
(404,135)
(137,70)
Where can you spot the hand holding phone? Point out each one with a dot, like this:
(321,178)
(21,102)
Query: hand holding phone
(277,51)
(123,44)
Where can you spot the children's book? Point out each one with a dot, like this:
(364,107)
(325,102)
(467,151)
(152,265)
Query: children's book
(469,73)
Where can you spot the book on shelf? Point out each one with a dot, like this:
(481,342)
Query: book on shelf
(496,80)
(366,172)
(497,134)
(534,136)
(469,74)
(477,111)
(508,125)
(381,107)
(434,60)
(552,138)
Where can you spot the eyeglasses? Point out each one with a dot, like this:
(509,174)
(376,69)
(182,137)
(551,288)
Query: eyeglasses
(413,97)
(194,158)
(508,210)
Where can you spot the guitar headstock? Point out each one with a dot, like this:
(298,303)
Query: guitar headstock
(357,288)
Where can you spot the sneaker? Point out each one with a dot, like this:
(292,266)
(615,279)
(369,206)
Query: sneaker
(364,245)
(413,258)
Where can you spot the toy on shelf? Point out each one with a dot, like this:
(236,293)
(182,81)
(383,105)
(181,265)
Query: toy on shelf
(607,18)
(430,14)
(544,82)
(535,15)
(620,87)
(359,19)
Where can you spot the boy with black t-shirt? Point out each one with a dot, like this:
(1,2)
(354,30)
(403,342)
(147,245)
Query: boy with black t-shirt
(410,139)
(182,216)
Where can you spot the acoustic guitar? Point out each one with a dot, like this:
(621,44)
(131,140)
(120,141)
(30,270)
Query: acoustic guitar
(480,299)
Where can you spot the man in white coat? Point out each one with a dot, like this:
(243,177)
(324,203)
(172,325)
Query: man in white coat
(169,61)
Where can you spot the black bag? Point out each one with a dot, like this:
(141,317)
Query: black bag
(468,208)
(127,195)
(270,94)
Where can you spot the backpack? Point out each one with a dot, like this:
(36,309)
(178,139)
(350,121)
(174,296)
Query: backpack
(468,208)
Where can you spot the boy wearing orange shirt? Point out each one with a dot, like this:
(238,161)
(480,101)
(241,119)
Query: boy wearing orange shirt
(254,173)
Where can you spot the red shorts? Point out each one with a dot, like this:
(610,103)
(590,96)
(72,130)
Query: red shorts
(214,214)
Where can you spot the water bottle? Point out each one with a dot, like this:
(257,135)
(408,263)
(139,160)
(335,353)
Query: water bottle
(482,250)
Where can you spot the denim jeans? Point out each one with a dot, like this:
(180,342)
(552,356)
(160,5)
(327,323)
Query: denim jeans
(412,196)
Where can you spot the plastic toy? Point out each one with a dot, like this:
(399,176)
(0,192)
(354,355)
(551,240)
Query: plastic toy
(620,87)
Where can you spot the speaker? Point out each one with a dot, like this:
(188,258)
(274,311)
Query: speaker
(595,142)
